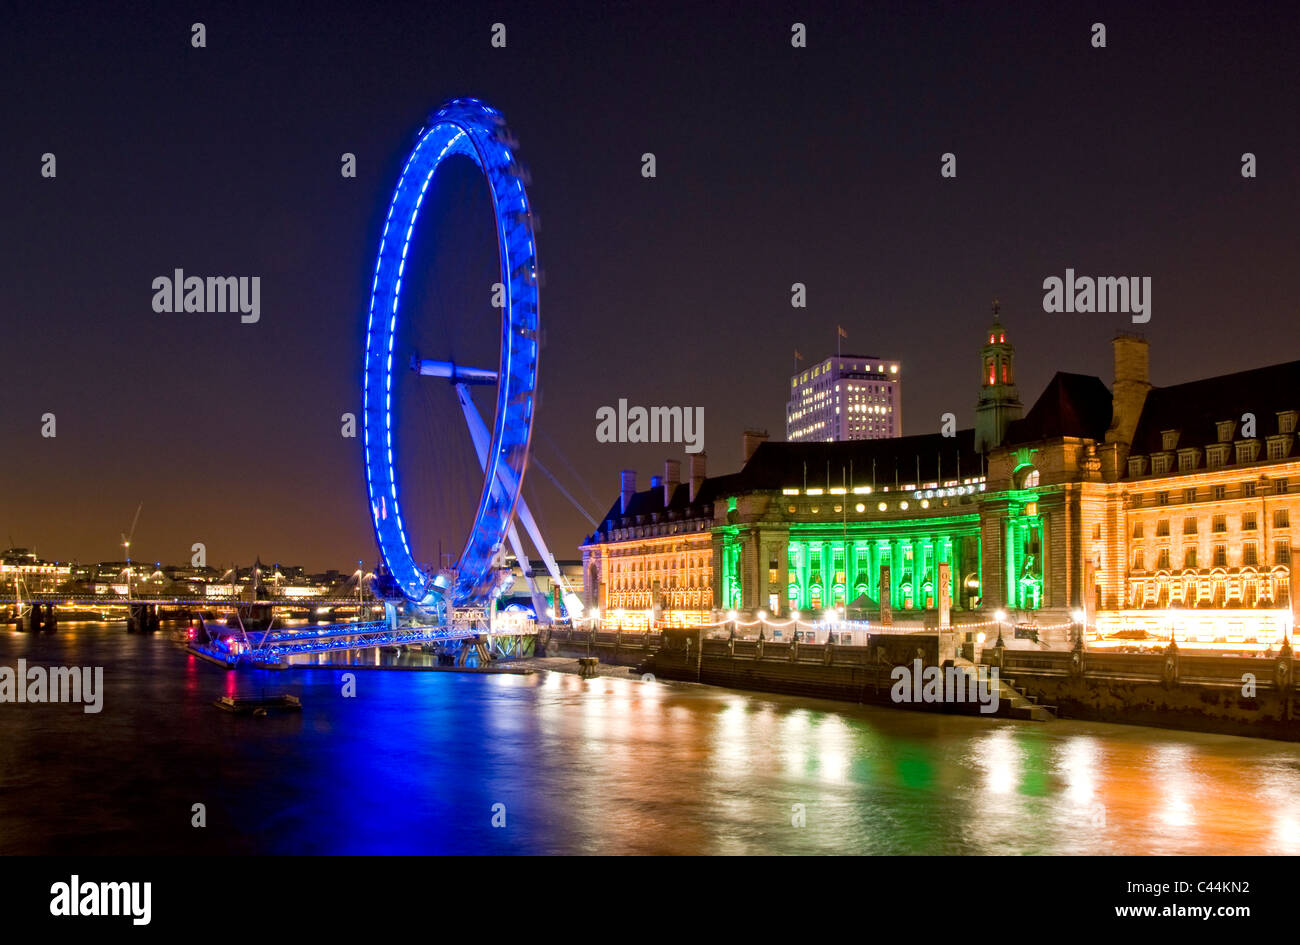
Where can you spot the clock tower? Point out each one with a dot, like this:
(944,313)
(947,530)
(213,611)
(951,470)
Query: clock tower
(999,401)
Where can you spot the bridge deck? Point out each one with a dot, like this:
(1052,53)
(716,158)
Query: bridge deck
(196,603)
(272,648)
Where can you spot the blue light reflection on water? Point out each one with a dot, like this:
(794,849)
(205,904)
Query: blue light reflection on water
(415,762)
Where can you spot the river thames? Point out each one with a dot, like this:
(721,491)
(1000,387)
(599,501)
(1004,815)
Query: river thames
(420,762)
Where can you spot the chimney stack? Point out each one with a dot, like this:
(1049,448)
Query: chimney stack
(697,473)
(752,440)
(1132,382)
(626,488)
(672,479)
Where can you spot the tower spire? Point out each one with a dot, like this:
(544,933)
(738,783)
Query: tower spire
(999,399)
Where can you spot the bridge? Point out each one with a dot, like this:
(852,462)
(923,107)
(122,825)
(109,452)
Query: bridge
(456,641)
(39,612)
(188,602)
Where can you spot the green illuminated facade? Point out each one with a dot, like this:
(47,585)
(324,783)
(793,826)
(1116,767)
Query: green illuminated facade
(783,552)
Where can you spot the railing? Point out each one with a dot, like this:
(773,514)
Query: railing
(821,653)
(323,630)
(1148,667)
(622,639)
(197,603)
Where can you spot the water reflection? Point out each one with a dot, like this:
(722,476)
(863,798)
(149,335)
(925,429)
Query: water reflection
(417,761)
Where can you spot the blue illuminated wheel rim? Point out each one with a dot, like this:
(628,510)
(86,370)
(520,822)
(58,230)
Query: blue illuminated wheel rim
(473,129)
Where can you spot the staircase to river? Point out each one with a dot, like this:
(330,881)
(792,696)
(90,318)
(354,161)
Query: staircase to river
(1013,701)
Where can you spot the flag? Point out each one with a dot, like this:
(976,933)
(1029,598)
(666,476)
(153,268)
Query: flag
(843,333)
(797,355)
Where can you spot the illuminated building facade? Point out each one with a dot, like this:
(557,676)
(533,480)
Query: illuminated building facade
(1200,532)
(808,527)
(1148,512)
(22,568)
(845,397)
(650,561)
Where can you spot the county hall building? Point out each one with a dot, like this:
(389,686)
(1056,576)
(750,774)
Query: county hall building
(1147,511)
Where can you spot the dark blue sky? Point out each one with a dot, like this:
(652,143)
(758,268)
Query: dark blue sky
(775,165)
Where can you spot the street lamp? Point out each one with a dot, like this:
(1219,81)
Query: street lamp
(1080,629)
(999,616)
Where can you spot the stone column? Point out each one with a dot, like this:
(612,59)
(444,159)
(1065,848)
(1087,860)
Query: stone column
(952,567)
(918,592)
(886,596)
(718,576)
(943,594)
(828,574)
(782,549)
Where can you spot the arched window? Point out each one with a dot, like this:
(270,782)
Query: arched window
(1026,477)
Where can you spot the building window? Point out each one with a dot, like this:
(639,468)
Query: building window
(1186,460)
(1220,523)
(1136,500)
(1225,428)
(1286,421)
(1162,528)
(1248,521)
(1219,492)
(1168,439)
(1282,552)
(1139,560)
(1248,553)
(1096,532)
(1189,525)
(1189,495)
(1220,557)
(1159,465)
(1281,518)
(1276,448)
(1248,489)
(1162,498)
(1137,529)
(1216,456)
(1189,557)
(1279,487)
(1162,560)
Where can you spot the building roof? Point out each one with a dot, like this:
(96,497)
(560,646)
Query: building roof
(1077,405)
(904,459)
(649,502)
(1196,407)
(774,466)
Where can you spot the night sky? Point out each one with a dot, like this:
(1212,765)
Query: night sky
(775,165)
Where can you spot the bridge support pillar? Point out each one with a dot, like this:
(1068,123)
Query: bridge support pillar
(34,619)
(51,619)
